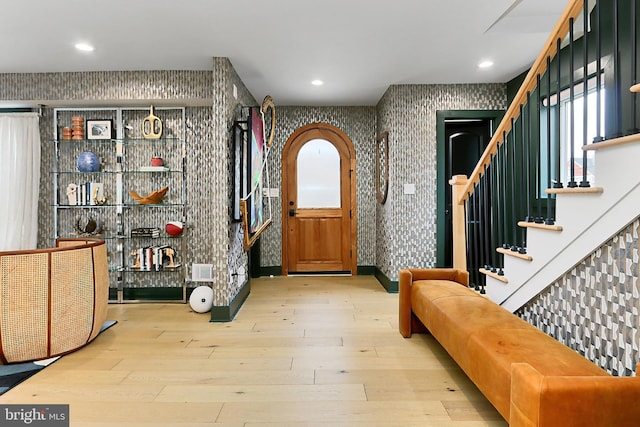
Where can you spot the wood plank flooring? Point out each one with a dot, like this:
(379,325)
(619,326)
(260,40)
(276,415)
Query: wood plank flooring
(302,352)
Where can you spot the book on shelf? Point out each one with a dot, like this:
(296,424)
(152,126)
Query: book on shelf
(85,194)
(153,232)
(154,258)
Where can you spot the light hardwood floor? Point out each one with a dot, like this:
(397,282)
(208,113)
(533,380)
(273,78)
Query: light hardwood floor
(302,351)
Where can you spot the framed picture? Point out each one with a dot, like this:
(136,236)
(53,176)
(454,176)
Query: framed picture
(255,160)
(382,167)
(239,152)
(99,129)
(251,148)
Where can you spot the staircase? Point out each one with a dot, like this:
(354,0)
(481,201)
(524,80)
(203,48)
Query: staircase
(514,239)
(585,219)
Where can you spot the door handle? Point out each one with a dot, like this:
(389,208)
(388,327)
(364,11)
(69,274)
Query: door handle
(292,212)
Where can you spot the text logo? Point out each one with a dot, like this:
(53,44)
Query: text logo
(34,415)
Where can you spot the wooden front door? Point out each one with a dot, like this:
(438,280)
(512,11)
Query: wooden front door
(318,202)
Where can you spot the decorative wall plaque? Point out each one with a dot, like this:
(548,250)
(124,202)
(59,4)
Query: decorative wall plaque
(382,167)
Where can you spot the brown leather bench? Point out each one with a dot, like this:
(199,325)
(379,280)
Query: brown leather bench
(531,378)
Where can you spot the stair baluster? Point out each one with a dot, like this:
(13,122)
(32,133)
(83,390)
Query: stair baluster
(475,208)
(511,152)
(572,110)
(617,95)
(598,137)
(549,220)
(557,154)
(585,92)
(486,233)
(536,151)
(634,57)
(506,225)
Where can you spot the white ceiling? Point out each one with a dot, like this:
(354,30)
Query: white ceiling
(358,47)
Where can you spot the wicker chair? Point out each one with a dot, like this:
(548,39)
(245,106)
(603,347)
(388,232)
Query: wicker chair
(52,301)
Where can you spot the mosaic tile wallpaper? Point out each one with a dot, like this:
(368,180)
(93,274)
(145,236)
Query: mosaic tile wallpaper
(207,141)
(237,263)
(593,308)
(406,224)
(103,86)
(359,125)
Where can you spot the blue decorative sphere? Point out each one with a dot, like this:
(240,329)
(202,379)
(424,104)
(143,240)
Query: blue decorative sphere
(88,162)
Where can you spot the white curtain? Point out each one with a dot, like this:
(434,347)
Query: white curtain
(19,180)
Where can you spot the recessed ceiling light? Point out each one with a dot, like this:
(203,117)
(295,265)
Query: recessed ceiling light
(84,47)
(317,82)
(485,64)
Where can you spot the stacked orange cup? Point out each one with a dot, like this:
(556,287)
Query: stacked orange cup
(67,133)
(77,127)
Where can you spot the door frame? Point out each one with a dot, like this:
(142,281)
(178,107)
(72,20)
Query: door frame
(442,182)
(336,137)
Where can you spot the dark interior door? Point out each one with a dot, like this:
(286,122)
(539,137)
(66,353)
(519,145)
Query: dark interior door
(465,143)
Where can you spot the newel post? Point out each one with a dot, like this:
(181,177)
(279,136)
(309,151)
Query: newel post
(458,183)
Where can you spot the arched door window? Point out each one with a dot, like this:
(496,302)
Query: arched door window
(318,175)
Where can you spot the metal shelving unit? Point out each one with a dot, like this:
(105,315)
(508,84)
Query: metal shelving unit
(123,159)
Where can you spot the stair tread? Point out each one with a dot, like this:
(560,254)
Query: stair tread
(509,252)
(496,276)
(576,190)
(540,226)
(628,139)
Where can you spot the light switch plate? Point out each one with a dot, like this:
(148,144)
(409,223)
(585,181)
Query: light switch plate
(409,189)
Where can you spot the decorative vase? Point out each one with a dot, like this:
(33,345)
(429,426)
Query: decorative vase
(157,161)
(88,162)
